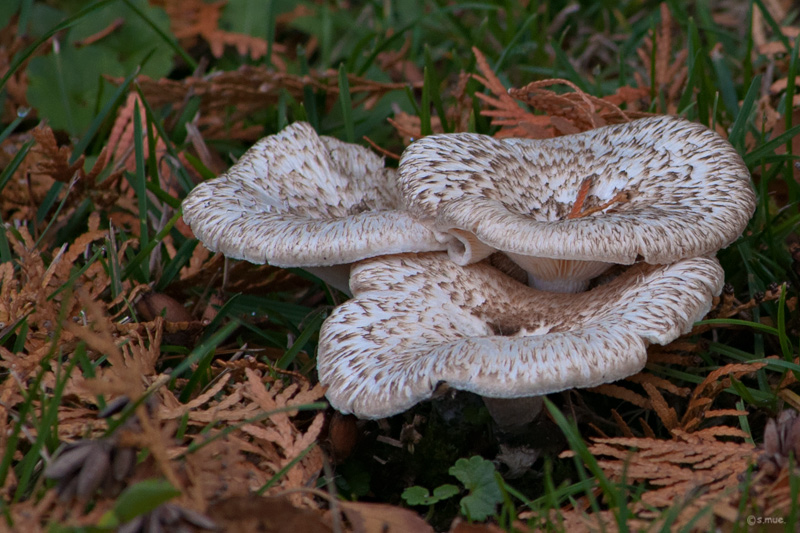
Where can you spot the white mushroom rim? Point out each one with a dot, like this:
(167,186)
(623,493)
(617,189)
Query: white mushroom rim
(657,189)
(417,320)
(296,199)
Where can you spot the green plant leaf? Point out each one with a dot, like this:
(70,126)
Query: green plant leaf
(477,475)
(7,9)
(142,498)
(442,492)
(66,95)
(66,85)
(417,495)
(133,40)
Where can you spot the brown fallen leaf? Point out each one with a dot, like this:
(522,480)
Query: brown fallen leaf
(153,304)
(266,515)
(382,518)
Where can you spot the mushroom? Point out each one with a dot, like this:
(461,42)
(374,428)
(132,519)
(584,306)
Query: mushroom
(296,199)
(419,320)
(657,189)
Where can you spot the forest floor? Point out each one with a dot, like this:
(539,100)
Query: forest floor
(148,384)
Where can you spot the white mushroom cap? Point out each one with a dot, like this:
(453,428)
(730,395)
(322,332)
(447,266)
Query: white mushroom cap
(418,320)
(296,199)
(688,193)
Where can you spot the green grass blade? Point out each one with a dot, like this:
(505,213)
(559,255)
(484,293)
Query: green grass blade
(697,65)
(739,127)
(172,269)
(745,423)
(584,457)
(435,90)
(23,411)
(425,107)
(144,252)
(139,180)
(282,472)
(77,273)
(5,247)
(518,36)
(48,201)
(774,26)
(47,429)
(768,147)
(725,84)
(13,165)
(737,322)
(309,97)
(22,113)
(81,146)
(788,115)
(310,330)
(185,181)
(347,105)
(204,350)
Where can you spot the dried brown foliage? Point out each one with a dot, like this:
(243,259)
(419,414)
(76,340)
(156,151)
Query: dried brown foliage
(561,113)
(200,20)
(11,42)
(668,71)
(253,89)
(691,472)
(48,162)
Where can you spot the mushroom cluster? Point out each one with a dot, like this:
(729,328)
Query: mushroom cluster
(484,264)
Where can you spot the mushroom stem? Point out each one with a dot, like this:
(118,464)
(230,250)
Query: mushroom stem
(512,414)
(337,276)
(559,275)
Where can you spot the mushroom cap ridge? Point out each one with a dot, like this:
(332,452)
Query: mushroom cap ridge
(689,191)
(419,319)
(296,199)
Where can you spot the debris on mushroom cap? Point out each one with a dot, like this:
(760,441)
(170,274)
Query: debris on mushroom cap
(658,189)
(296,199)
(418,320)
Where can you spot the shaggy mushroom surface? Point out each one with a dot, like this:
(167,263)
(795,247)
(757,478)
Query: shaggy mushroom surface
(657,189)
(297,199)
(418,320)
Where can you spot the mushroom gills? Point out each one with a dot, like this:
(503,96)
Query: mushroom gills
(559,275)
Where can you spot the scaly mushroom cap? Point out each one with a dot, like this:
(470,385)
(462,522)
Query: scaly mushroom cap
(688,192)
(296,199)
(419,320)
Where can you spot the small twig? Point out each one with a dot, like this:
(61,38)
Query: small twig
(620,197)
(582,193)
(105,32)
(384,151)
(577,210)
